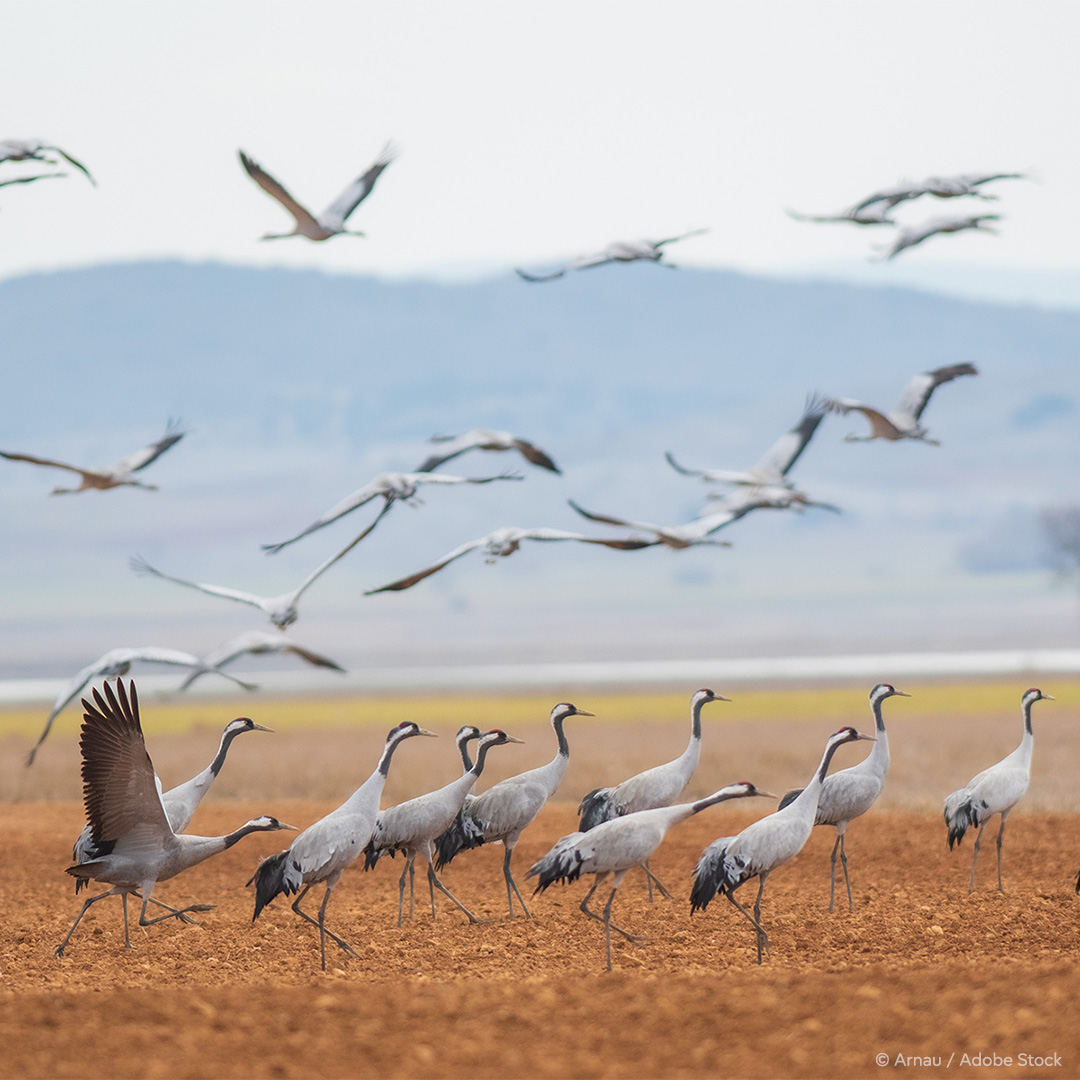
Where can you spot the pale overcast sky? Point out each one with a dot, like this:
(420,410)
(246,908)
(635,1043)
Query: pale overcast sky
(531,130)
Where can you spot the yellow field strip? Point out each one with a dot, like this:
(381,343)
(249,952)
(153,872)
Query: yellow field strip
(844,705)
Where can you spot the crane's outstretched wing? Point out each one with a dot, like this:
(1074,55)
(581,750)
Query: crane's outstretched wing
(141,566)
(323,567)
(412,579)
(880,424)
(539,277)
(681,236)
(424,477)
(71,161)
(31,179)
(786,450)
(613,520)
(360,188)
(49,462)
(917,393)
(256,642)
(119,786)
(358,498)
(141,458)
(562,534)
(536,456)
(277,191)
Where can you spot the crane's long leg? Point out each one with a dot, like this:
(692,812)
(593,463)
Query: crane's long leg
(847,880)
(652,878)
(755,919)
(401,892)
(173,913)
(511,883)
(763,938)
(616,882)
(832,878)
(597,881)
(974,857)
(86,906)
(321,922)
(437,884)
(1001,834)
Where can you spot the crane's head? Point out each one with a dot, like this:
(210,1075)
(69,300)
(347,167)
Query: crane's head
(848,734)
(406,731)
(705,695)
(565,709)
(1035,694)
(266,823)
(496,737)
(467,733)
(242,724)
(883,691)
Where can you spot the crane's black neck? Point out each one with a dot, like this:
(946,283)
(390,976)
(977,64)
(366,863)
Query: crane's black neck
(481,753)
(466,761)
(557,724)
(1026,709)
(695,719)
(826,760)
(219,759)
(879,721)
(388,752)
(240,833)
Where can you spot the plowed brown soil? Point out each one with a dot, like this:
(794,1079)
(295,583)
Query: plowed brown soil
(919,969)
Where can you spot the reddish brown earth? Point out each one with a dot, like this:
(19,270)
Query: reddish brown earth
(919,968)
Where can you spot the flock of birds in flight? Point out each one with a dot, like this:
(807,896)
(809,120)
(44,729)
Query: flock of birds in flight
(136,835)
(765,485)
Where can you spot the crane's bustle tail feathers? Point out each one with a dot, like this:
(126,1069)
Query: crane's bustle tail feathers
(562,863)
(596,808)
(270,879)
(960,815)
(712,875)
(463,834)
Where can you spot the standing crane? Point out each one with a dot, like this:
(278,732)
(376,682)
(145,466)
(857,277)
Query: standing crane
(331,222)
(849,793)
(281,609)
(504,811)
(617,845)
(484,439)
(993,791)
(180,802)
(323,851)
(120,474)
(393,487)
(760,848)
(903,421)
(656,787)
(413,826)
(117,662)
(623,251)
(136,845)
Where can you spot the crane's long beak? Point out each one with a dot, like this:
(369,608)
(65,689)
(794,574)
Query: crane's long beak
(259,727)
(510,738)
(900,693)
(291,828)
(867,738)
(720,697)
(424,731)
(767,794)
(1047,697)
(582,712)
